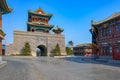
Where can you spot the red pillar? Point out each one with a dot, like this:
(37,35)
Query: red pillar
(113,52)
(0,34)
(0,46)
(99,51)
(0,20)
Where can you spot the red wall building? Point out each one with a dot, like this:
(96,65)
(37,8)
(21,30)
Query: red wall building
(82,49)
(106,35)
(4,9)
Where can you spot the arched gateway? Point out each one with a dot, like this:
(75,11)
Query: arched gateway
(38,32)
(41,50)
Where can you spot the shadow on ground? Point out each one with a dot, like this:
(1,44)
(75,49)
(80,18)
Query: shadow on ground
(89,60)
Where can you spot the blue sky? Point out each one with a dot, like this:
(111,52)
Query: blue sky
(73,15)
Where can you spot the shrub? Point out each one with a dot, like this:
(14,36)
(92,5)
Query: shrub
(26,51)
(57,50)
(69,51)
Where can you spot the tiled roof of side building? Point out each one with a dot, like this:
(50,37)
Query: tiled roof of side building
(84,45)
(115,15)
(5,7)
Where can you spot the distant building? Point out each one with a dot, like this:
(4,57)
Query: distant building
(4,9)
(82,49)
(106,35)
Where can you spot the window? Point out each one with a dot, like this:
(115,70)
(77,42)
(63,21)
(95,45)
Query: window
(101,50)
(110,30)
(107,31)
(101,33)
(110,49)
(117,50)
(116,28)
(33,18)
(40,20)
(106,50)
(36,19)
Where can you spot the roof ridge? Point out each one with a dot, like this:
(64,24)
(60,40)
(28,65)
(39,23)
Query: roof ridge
(114,15)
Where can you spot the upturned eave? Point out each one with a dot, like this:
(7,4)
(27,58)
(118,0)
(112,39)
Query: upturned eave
(39,24)
(2,34)
(114,16)
(38,14)
(4,7)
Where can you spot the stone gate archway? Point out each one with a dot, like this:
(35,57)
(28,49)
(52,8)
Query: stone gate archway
(41,50)
(42,41)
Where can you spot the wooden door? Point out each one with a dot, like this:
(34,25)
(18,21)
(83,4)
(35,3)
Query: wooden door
(116,52)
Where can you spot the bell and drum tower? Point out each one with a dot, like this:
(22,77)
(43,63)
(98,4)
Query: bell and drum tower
(38,35)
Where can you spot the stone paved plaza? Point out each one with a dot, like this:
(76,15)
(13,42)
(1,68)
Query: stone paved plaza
(43,68)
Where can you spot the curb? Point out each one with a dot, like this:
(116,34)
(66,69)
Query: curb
(62,56)
(102,60)
(114,62)
(3,63)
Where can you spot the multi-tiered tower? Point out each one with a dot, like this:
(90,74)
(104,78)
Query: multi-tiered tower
(38,36)
(38,21)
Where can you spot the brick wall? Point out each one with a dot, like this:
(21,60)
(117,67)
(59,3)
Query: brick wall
(35,39)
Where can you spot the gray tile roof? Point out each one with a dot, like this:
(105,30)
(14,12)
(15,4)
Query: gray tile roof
(115,15)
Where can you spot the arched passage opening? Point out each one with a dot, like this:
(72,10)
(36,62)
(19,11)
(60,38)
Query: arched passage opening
(41,50)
